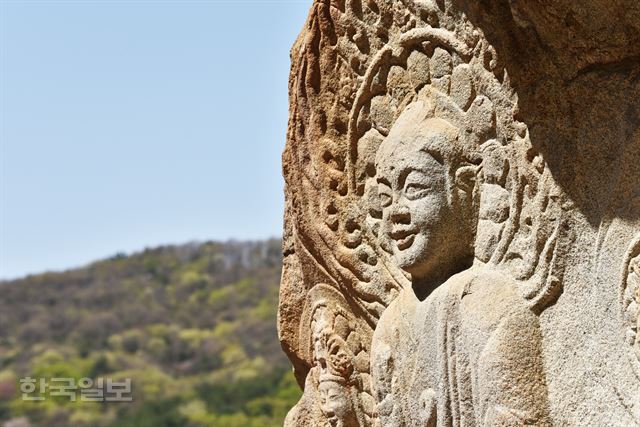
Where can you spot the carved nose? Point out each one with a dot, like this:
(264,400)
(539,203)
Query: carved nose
(400,214)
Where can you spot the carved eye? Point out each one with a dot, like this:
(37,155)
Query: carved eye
(417,191)
(385,199)
(384,193)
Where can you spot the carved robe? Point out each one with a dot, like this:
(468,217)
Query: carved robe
(468,355)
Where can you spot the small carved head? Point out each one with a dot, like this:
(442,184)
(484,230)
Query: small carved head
(425,188)
(336,402)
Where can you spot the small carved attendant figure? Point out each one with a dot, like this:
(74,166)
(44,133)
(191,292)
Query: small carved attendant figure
(338,397)
(461,348)
(334,388)
(336,401)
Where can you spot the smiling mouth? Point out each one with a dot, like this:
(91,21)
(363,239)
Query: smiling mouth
(403,239)
(406,242)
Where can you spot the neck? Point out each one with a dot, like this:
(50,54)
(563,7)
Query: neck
(424,284)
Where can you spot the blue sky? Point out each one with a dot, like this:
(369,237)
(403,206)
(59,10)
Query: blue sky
(128,124)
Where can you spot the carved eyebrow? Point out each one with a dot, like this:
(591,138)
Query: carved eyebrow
(433,153)
(403,176)
(384,181)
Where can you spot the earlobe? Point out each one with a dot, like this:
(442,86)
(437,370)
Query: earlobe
(466,177)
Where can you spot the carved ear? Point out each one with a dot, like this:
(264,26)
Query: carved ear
(466,177)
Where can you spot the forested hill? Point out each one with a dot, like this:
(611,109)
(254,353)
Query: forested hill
(193,326)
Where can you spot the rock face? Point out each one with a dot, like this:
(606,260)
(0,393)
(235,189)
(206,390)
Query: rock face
(462,225)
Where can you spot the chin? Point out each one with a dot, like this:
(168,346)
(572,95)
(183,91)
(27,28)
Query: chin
(413,259)
(414,269)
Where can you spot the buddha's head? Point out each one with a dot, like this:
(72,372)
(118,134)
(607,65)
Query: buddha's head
(425,188)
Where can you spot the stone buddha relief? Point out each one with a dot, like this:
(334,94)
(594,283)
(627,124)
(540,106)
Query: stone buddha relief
(439,345)
(423,198)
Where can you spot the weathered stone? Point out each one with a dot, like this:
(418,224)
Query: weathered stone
(462,224)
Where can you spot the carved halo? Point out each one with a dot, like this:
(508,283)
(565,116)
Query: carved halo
(462,82)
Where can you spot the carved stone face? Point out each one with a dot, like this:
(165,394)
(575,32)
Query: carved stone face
(335,404)
(414,192)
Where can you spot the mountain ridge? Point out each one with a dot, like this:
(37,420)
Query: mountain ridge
(193,326)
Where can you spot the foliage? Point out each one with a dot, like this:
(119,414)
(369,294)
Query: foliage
(193,326)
